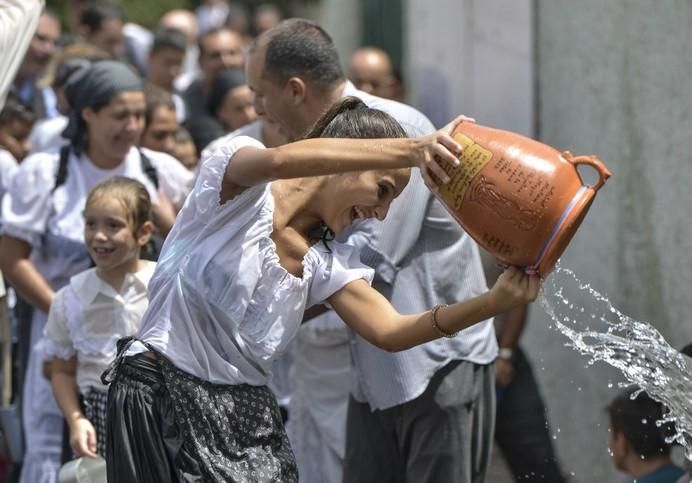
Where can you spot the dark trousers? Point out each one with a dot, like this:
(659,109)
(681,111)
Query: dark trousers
(444,435)
(521,428)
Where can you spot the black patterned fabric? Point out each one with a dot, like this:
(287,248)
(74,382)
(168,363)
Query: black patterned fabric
(176,427)
(95,406)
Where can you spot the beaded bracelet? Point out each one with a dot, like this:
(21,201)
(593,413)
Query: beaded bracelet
(436,326)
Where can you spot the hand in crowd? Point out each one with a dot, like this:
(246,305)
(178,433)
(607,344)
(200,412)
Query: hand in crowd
(504,371)
(513,288)
(438,150)
(83,438)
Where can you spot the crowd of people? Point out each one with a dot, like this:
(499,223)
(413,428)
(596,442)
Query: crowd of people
(223,268)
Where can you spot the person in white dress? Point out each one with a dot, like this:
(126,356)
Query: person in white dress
(43,226)
(246,257)
(99,306)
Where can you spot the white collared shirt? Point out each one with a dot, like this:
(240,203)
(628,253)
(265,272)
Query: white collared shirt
(222,307)
(88,316)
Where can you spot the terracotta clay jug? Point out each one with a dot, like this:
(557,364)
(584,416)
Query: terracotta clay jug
(518,198)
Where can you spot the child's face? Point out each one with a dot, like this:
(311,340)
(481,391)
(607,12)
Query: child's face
(14,136)
(110,235)
(186,153)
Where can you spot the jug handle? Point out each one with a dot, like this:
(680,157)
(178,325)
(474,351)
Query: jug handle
(594,162)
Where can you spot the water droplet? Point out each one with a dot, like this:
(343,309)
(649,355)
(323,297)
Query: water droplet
(644,421)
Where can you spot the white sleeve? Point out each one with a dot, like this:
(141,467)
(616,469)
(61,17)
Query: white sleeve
(18,20)
(253,130)
(338,265)
(214,145)
(207,190)
(56,340)
(174,179)
(27,205)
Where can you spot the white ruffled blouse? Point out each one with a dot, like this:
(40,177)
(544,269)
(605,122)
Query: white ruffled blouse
(221,306)
(88,317)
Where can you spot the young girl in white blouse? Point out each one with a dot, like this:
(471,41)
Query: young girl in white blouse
(246,256)
(98,307)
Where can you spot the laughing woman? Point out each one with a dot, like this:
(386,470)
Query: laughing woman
(247,255)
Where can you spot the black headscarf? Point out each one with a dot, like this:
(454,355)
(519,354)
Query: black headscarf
(224,81)
(95,86)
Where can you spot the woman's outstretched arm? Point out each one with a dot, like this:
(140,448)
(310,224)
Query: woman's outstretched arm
(368,313)
(322,156)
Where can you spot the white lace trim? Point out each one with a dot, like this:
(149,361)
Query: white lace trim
(49,349)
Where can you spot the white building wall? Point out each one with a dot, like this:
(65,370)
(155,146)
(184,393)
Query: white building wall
(471,57)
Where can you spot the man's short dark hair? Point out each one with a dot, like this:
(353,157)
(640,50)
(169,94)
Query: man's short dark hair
(301,48)
(210,33)
(97,12)
(169,38)
(636,420)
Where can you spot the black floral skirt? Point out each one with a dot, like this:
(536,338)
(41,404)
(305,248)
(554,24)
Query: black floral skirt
(165,425)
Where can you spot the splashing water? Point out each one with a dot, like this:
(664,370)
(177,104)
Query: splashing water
(599,330)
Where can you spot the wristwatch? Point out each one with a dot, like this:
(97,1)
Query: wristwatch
(505,353)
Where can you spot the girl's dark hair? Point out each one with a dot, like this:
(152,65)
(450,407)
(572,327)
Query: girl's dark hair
(130,192)
(224,82)
(352,118)
(99,11)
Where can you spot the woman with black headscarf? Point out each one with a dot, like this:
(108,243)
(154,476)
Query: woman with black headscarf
(42,244)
